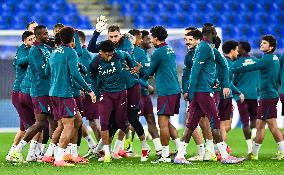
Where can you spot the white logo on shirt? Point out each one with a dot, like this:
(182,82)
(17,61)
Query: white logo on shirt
(248,62)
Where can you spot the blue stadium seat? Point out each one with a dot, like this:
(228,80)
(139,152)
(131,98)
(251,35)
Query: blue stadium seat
(278,19)
(216,6)
(199,7)
(246,18)
(214,18)
(262,18)
(248,7)
(255,42)
(259,30)
(230,18)
(276,30)
(232,6)
(243,31)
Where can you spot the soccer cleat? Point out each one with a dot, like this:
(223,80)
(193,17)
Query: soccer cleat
(252,156)
(47,159)
(17,157)
(145,155)
(89,153)
(31,158)
(107,159)
(116,156)
(80,160)
(219,157)
(122,153)
(196,158)
(181,160)
(8,158)
(209,155)
(162,160)
(62,163)
(130,153)
(232,160)
(229,149)
(279,155)
(159,153)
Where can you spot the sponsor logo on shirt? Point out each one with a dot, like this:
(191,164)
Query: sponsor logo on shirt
(274,58)
(106,71)
(170,51)
(248,62)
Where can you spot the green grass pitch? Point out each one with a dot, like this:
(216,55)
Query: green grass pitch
(133,166)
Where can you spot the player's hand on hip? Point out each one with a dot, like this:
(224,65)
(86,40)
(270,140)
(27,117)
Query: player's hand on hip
(226,92)
(93,96)
(242,98)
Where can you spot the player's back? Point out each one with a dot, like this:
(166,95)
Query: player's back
(269,77)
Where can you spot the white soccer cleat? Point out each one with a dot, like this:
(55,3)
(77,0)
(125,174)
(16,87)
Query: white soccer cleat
(196,158)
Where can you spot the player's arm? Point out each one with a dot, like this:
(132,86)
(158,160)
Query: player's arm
(154,65)
(78,45)
(36,59)
(185,75)
(93,46)
(72,64)
(250,66)
(22,57)
(222,62)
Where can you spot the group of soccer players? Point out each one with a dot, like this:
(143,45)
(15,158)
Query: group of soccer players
(60,81)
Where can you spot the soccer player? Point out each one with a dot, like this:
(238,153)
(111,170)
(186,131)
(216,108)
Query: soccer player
(108,68)
(188,62)
(163,65)
(230,50)
(31,26)
(91,111)
(38,56)
(268,94)
(133,90)
(146,105)
(247,83)
(26,119)
(57,27)
(201,93)
(281,91)
(63,70)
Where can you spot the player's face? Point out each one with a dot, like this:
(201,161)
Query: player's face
(114,36)
(43,36)
(146,42)
(30,40)
(56,30)
(154,41)
(106,55)
(241,50)
(32,27)
(190,41)
(138,40)
(235,53)
(264,46)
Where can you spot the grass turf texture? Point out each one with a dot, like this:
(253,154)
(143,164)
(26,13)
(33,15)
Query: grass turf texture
(133,165)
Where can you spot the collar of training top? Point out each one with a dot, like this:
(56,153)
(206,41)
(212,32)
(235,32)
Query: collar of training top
(206,40)
(162,44)
(84,46)
(245,55)
(65,45)
(36,43)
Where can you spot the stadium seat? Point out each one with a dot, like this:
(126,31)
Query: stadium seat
(217,6)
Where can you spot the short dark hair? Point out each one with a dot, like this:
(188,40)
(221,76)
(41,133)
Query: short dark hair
(134,32)
(229,45)
(113,28)
(66,35)
(38,29)
(195,33)
(159,32)
(271,40)
(144,33)
(82,35)
(26,34)
(57,39)
(191,28)
(216,41)
(58,25)
(208,28)
(107,46)
(30,23)
(245,46)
